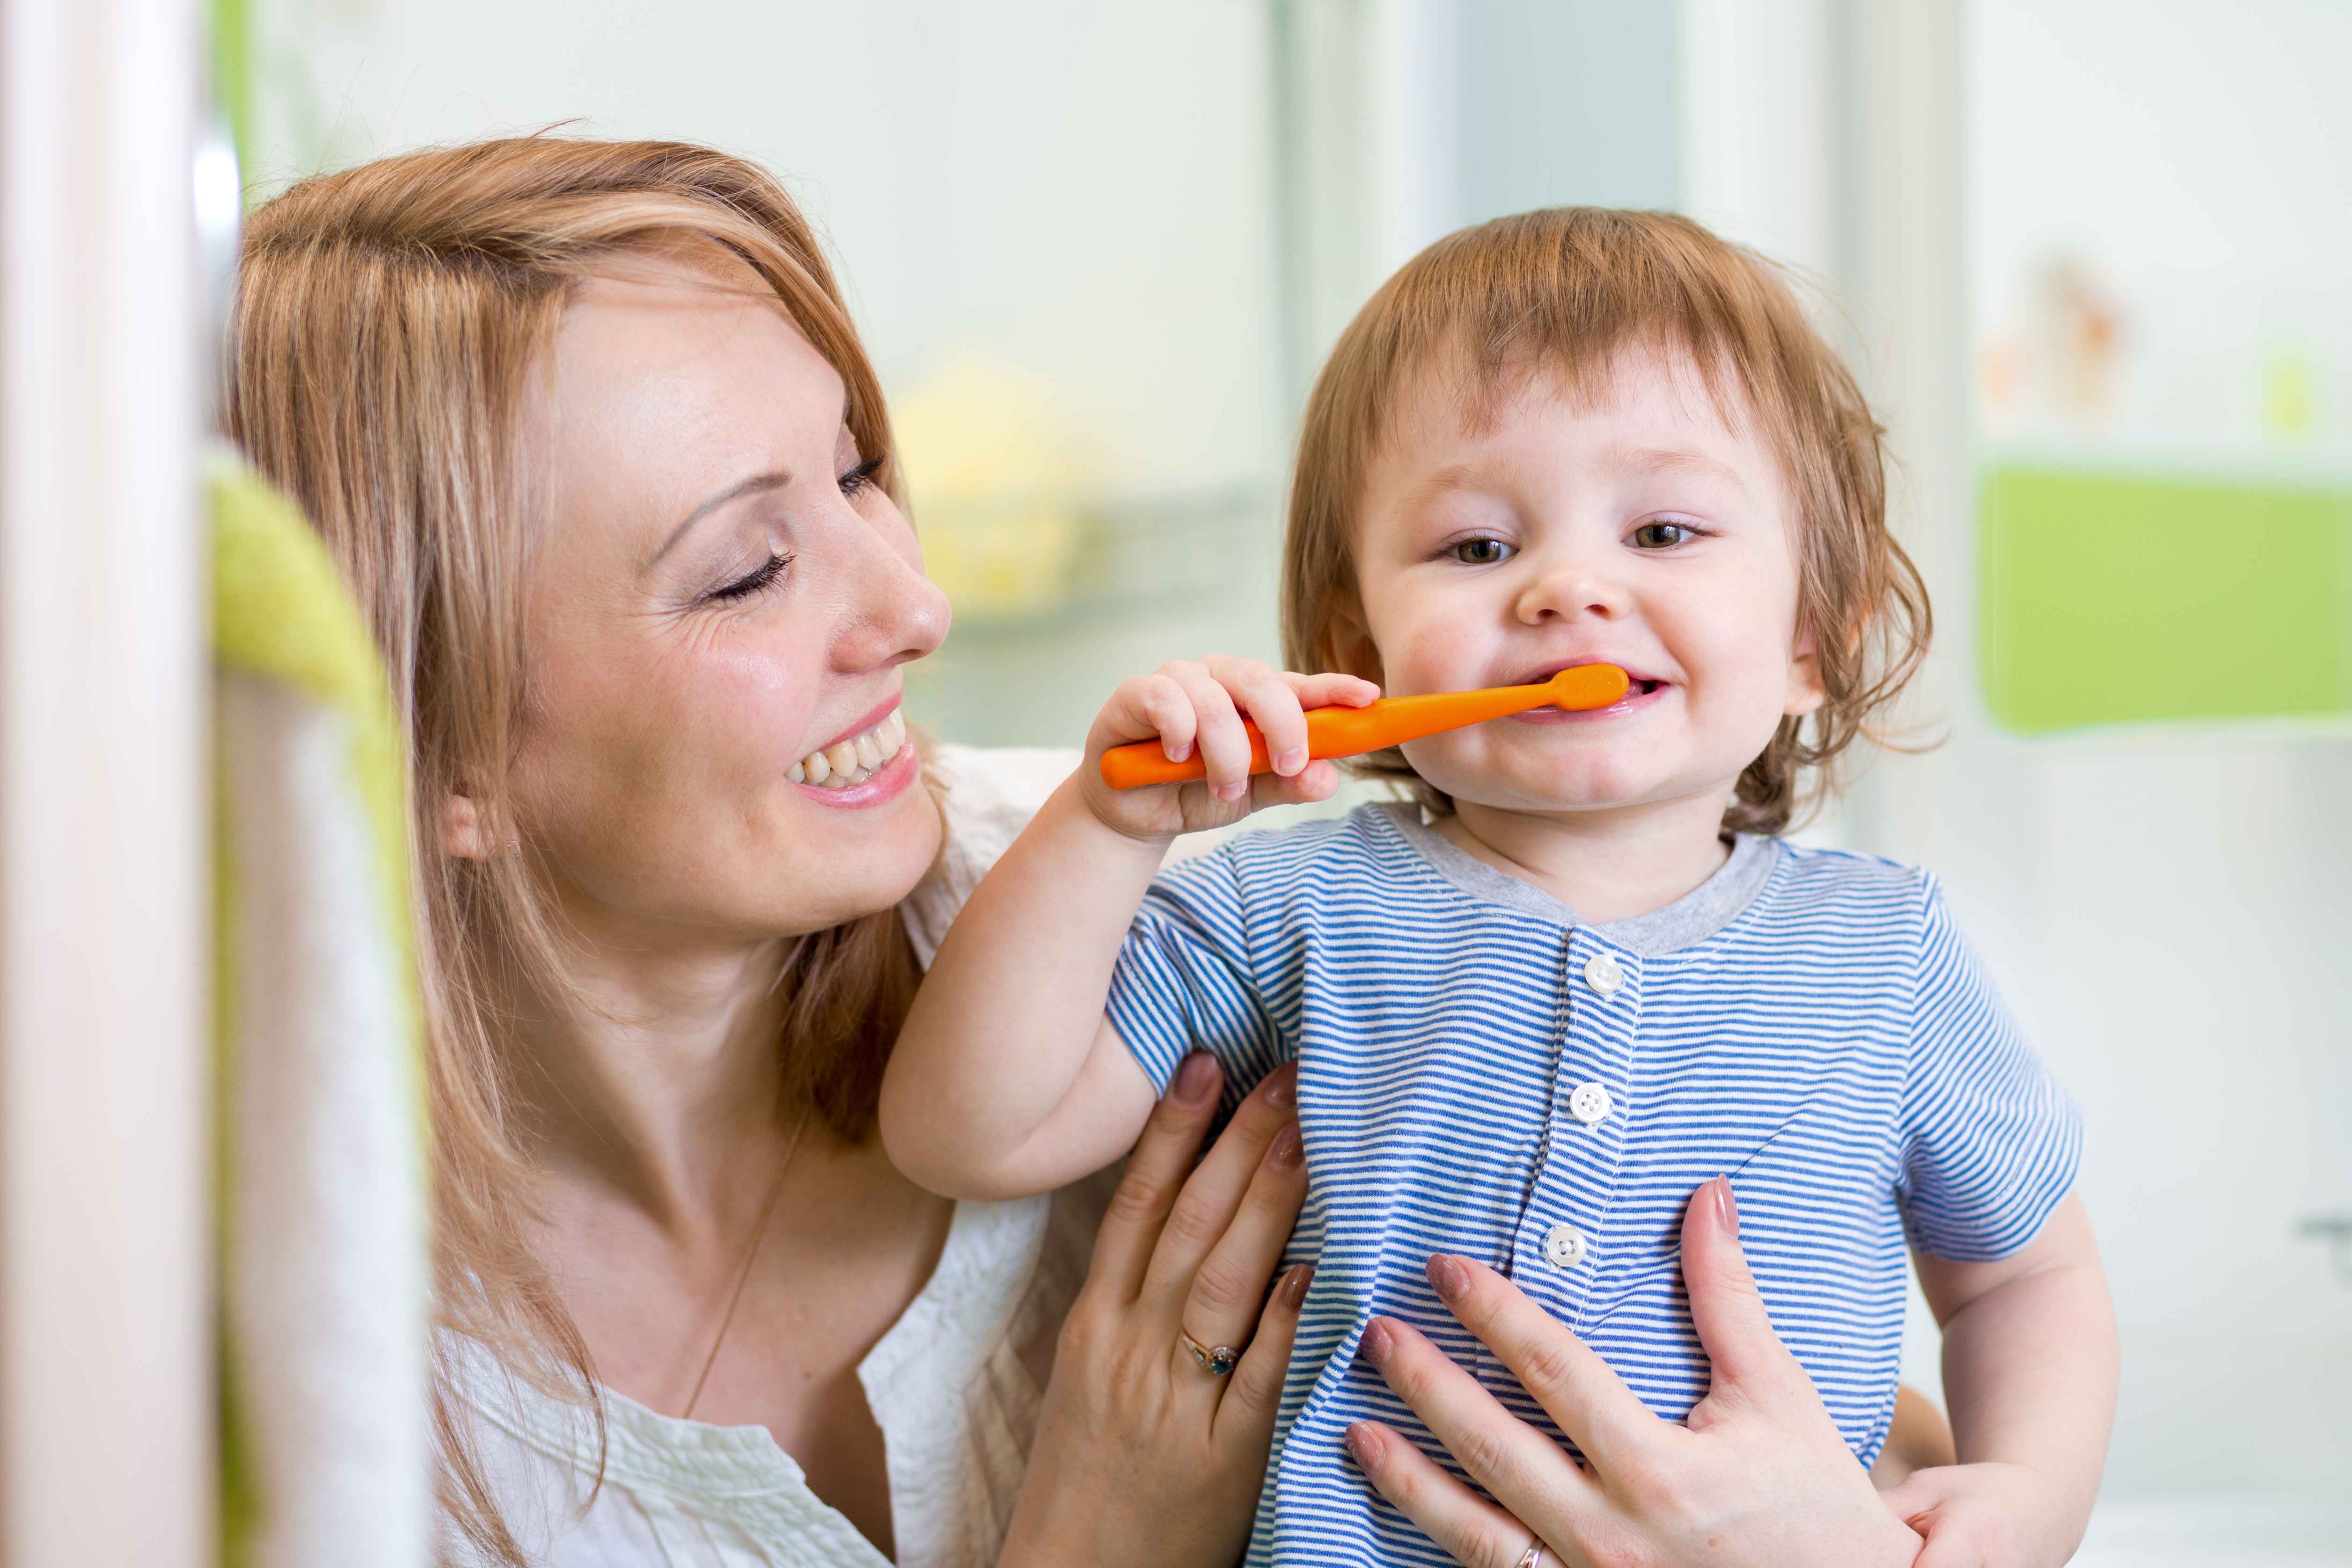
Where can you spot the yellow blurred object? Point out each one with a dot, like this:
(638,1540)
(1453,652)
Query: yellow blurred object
(995,475)
(2289,395)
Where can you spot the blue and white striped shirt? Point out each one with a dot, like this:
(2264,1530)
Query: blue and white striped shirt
(1481,1072)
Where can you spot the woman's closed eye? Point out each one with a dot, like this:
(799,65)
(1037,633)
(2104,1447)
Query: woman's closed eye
(758,580)
(860,477)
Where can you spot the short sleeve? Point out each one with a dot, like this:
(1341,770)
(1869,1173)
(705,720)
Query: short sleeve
(1185,980)
(1991,1143)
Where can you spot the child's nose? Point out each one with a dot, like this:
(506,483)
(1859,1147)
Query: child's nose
(1571,589)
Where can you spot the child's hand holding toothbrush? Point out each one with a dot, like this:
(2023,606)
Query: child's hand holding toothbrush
(1201,705)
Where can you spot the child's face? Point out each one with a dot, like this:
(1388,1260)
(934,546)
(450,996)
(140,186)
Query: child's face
(1636,529)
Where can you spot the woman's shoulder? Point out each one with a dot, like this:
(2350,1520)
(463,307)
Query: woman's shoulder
(987,795)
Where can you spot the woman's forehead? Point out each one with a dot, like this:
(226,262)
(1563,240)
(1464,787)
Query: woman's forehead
(667,388)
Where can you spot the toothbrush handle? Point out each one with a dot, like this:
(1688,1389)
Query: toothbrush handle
(1338,731)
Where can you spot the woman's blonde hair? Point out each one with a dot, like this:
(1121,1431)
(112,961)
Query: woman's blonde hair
(1568,290)
(390,322)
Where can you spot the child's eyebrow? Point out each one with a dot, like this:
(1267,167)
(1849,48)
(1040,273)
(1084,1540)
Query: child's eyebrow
(1672,461)
(1452,477)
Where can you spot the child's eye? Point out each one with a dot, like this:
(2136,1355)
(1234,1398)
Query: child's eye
(1661,535)
(1482,552)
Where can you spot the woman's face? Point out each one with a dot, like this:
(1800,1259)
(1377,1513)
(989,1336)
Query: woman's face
(720,598)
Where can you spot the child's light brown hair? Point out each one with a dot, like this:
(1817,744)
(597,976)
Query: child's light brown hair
(1567,291)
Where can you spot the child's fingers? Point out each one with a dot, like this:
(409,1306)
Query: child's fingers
(1319,782)
(1147,706)
(1264,694)
(1223,743)
(1332,690)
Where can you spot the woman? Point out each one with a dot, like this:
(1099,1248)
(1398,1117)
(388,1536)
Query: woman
(589,430)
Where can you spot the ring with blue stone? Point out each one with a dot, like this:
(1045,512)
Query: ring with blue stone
(1216,1363)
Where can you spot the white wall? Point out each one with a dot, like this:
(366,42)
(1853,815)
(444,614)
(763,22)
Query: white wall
(2171,910)
(1078,188)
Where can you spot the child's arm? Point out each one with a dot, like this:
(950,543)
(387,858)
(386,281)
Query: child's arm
(2030,1362)
(1007,1080)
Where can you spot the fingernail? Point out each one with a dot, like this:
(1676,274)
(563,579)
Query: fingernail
(1178,750)
(1282,1091)
(1376,1342)
(1229,792)
(1294,1286)
(1193,1078)
(1290,761)
(1727,1206)
(1363,1445)
(1447,1276)
(1287,1152)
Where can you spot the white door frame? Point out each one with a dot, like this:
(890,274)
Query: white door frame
(106,1388)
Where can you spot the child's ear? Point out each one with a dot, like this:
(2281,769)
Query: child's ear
(1805,692)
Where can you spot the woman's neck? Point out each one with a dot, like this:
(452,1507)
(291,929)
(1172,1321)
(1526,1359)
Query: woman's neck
(1604,865)
(662,1081)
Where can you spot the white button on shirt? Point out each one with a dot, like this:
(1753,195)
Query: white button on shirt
(1590,1104)
(1603,975)
(1564,1244)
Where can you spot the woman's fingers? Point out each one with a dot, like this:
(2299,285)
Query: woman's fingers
(1726,1308)
(1574,1386)
(1473,1530)
(1154,1175)
(1517,1465)
(1228,1289)
(1212,1193)
(1253,1392)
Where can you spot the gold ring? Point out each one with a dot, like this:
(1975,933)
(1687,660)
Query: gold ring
(1216,1363)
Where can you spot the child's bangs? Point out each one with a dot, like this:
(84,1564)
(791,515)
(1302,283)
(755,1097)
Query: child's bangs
(1572,304)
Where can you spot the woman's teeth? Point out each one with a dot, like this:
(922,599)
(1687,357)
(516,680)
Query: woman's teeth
(854,760)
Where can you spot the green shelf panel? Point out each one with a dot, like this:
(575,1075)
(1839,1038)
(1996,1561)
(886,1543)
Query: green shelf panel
(2130,598)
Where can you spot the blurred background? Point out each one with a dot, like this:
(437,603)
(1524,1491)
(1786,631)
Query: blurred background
(2093,258)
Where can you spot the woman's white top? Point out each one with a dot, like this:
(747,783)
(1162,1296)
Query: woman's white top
(954,1384)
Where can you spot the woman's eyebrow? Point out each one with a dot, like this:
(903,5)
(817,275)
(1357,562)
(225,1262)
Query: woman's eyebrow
(755,485)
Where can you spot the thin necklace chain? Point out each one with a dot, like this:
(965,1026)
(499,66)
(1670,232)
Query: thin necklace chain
(743,1274)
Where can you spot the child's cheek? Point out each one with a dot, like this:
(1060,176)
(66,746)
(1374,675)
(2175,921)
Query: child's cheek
(1434,655)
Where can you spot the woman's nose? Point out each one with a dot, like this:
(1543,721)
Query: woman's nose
(896,613)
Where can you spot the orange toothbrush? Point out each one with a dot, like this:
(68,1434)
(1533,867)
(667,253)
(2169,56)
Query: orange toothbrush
(1352,732)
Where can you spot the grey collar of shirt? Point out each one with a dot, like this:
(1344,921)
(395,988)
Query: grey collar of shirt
(1687,922)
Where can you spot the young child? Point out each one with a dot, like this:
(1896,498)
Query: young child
(1533,1011)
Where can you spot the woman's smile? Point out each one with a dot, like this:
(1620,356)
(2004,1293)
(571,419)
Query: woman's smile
(858,753)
